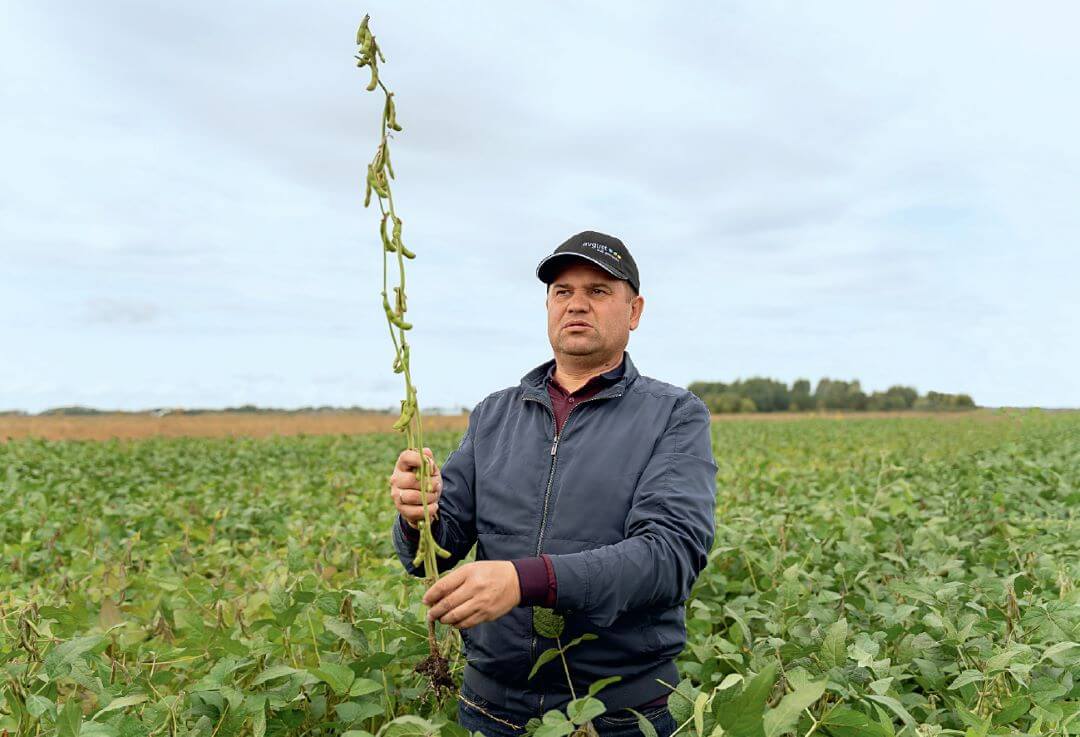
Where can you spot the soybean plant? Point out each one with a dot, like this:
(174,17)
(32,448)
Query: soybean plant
(379,173)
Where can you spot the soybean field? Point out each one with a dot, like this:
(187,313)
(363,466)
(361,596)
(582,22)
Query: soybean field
(872,576)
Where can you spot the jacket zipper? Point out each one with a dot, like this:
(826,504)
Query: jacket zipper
(547,492)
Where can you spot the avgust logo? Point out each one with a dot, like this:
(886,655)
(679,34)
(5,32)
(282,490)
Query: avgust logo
(606,250)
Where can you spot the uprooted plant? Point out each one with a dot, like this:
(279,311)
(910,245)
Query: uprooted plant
(379,173)
(577,721)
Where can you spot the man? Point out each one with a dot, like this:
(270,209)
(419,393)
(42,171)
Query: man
(589,489)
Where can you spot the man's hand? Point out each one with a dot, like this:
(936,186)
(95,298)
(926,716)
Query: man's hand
(476,592)
(405,486)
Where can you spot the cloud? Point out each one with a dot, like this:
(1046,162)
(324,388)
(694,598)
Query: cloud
(886,192)
(105,311)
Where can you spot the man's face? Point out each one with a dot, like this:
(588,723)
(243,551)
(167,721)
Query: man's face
(590,312)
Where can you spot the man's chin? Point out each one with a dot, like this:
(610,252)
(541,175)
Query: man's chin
(574,348)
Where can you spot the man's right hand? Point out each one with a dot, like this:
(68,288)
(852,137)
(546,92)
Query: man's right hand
(405,486)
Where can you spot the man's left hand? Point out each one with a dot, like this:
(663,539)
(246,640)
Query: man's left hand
(476,592)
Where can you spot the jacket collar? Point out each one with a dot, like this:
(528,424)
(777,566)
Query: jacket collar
(533,383)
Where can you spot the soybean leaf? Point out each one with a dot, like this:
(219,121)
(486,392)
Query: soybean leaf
(646,727)
(122,702)
(579,640)
(597,686)
(545,657)
(69,720)
(364,686)
(276,671)
(742,715)
(408,726)
(834,648)
(582,710)
(895,707)
(785,716)
(547,623)
(338,677)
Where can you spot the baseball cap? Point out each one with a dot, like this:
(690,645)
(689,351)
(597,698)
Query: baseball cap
(605,251)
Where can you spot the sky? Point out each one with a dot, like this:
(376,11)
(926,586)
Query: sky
(885,192)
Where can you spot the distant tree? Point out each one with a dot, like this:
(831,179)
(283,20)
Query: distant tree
(801,398)
(768,395)
(884,401)
(762,394)
(942,401)
(905,394)
(856,397)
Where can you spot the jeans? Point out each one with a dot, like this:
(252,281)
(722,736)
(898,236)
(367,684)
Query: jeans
(477,714)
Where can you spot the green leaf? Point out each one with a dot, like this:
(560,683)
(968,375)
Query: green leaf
(408,726)
(646,727)
(1012,710)
(277,671)
(681,700)
(1045,691)
(785,716)
(545,657)
(699,712)
(895,707)
(554,724)
(743,715)
(354,711)
(121,703)
(582,710)
(597,686)
(258,723)
(364,686)
(66,653)
(69,720)
(547,623)
(338,677)
(968,676)
(1054,653)
(843,721)
(37,705)
(579,640)
(834,648)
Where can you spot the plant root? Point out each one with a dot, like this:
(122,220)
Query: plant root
(437,670)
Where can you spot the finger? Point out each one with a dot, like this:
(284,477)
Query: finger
(460,613)
(443,586)
(459,597)
(412,496)
(411,480)
(414,512)
(408,460)
(431,458)
(477,617)
(432,469)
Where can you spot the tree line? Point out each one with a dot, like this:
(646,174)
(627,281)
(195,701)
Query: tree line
(759,394)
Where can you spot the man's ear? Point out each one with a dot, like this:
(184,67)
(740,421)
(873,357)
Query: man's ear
(637,307)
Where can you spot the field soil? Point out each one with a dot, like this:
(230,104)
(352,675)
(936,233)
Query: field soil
(131,426)
(209,425)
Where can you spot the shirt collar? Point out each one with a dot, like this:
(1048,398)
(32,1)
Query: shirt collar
(608,377)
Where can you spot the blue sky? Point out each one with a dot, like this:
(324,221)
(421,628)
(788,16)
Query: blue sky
(850,190)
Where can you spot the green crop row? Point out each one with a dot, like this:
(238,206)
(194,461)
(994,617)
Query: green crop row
(912,576)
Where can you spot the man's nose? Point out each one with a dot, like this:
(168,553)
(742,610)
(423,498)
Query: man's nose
(578,303)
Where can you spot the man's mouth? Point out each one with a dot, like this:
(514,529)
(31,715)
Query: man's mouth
(577,325)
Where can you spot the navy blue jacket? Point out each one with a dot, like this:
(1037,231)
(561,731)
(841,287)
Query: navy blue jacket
(622,500)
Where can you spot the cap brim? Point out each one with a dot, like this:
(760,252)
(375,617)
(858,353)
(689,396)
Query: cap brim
(548,267)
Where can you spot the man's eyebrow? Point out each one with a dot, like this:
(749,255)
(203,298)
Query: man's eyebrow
(592,284)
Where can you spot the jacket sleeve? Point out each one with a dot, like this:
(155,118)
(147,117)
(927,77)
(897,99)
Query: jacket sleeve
(669,530)
(455,529)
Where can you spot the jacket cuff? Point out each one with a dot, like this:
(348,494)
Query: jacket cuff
(536,577)
(411,536)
